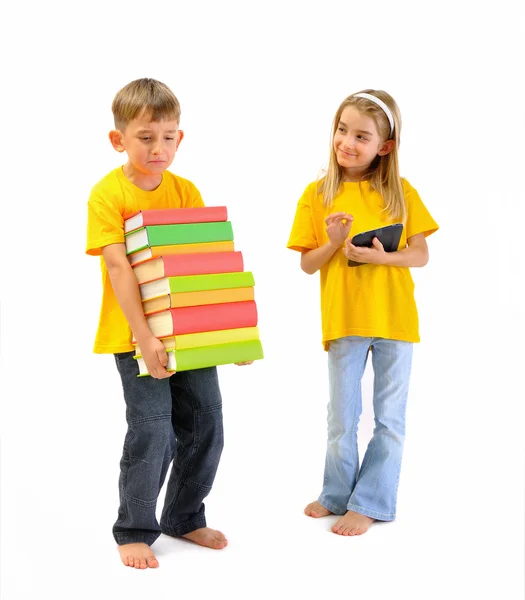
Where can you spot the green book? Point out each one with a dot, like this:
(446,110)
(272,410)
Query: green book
(180,233)
(209,356)
(195,283)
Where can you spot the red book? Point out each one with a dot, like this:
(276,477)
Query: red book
(188,264)
(196,319)
(175,216)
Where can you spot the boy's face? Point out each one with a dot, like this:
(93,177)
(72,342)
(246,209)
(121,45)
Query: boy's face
(150,145)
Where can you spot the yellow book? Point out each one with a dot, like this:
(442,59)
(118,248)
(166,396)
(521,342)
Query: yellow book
(208,356)
(206,338)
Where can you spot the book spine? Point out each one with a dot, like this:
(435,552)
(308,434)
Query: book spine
(202,264)
(213,281)
(211,356)
(189,233)
(179,216)
(198,299)
(156,251)
(212,317)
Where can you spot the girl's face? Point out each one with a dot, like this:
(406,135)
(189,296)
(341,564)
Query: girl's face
(357,143)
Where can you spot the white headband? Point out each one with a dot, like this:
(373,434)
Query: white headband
(381,104)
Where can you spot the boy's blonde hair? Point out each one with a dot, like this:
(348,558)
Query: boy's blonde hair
(144,96)
(383,173)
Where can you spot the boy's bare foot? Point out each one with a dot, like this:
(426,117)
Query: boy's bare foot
(207,537)
(316,510)
(352,523)
(138,555)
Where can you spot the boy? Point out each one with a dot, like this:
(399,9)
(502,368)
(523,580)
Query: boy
(164,412)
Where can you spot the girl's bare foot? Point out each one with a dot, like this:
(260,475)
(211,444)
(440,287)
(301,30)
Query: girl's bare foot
(139,556)
(352,523)
(207,537)
(316,510)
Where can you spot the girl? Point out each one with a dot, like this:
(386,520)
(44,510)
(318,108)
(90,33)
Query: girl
(365,308)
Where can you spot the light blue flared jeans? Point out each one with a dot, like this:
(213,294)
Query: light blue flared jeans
(372,489)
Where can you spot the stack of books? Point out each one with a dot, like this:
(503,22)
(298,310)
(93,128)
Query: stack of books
(196,296)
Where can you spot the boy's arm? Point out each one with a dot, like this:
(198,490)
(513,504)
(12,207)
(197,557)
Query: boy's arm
(127,293)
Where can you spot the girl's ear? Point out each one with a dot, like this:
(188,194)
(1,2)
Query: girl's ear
(386,148)
(115,137)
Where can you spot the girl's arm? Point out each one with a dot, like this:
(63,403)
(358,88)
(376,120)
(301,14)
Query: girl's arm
(416,255)
(313,260)
(338,227)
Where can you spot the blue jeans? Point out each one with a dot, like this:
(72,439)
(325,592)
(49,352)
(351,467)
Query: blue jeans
(372,489)
(177,419)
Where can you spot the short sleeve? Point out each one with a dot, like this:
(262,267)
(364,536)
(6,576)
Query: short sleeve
(302,236)
(196,198)
(105,225)
(419,220)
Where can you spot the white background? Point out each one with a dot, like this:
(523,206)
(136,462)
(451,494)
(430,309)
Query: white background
(259,84)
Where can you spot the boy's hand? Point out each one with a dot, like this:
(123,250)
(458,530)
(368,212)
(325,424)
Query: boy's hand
(373,256)
(248,362)
(338,227)
(155,357)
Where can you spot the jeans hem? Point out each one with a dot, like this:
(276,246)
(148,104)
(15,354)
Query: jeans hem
(331,507)
(135,538)
(373,514)
(184,528)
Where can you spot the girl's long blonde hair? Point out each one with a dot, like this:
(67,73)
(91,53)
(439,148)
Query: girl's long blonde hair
(383,173)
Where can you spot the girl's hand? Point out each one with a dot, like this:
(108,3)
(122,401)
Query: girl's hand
(241,364)
(373,256)
(338,227)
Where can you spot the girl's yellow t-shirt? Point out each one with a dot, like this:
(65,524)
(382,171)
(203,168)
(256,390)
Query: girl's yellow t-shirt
(369,300)
(112,200)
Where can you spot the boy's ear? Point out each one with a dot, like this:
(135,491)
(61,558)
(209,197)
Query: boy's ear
(180,135)
(386,148)
(115,137)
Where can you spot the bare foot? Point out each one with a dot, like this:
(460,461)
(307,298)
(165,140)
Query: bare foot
(316,510)
(139,556)
(352,523)
(207,537)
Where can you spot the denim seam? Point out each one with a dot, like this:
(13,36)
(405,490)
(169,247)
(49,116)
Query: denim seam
(134,538)
(199,486)
(142,420)
(371,513)
(144,503)
(331,507)
(184,528)
(208,409)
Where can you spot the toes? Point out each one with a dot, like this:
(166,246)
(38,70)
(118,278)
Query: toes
(152,562)
(220,541)
(142,564)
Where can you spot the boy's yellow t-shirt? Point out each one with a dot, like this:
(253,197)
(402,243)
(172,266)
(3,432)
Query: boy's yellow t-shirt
(368,300)
(112,200)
